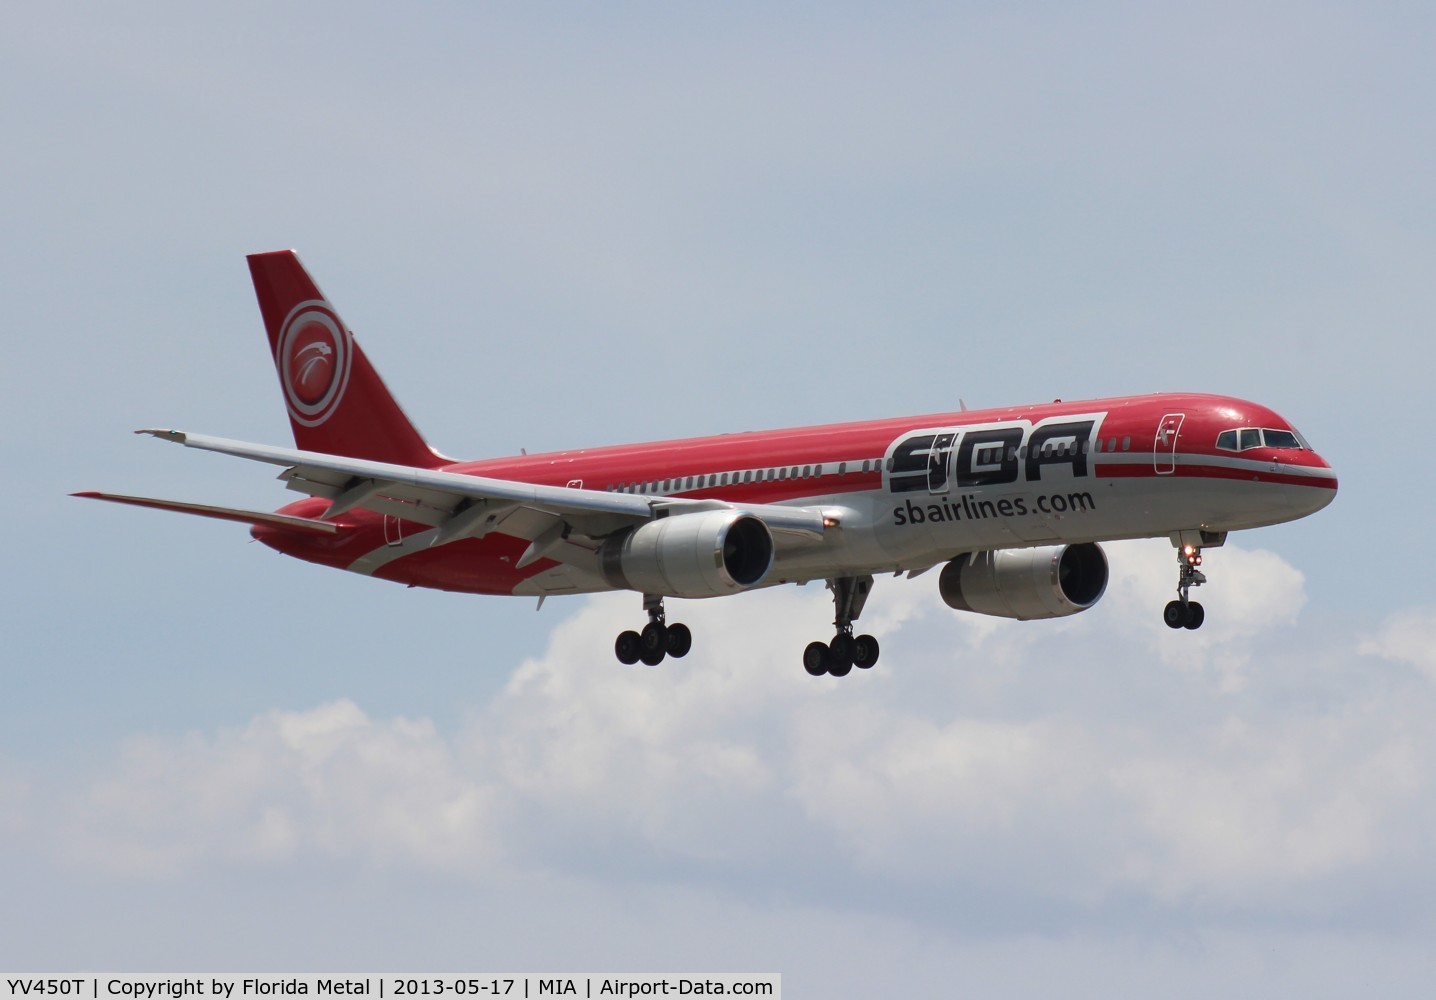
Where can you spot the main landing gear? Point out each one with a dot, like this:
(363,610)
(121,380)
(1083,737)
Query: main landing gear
(1184,612)
(839,657)
(657,640)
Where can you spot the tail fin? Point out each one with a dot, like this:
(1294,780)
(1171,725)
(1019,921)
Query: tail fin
(337,402)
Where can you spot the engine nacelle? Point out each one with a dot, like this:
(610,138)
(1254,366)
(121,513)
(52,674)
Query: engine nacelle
(1026,583)
(705,554)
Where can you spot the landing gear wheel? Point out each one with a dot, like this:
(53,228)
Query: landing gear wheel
(654,637)
(1196,614)
(653,657)
(680,640)
(628,647)
(1175,614)
(839,657)
(1185,612)
(815,658)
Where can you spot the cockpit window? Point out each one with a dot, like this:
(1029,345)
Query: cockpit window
(1244,438)
(1280,439)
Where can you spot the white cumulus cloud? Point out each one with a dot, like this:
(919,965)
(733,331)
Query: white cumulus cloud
(327,782)
(1407,637)
(1084,762)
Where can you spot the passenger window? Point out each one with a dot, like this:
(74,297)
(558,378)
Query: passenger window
(1111,444)
(1126,444)
(1251,438)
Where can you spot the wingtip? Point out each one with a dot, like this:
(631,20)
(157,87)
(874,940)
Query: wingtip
(164,435)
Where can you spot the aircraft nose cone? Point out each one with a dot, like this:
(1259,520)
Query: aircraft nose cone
(1317,493)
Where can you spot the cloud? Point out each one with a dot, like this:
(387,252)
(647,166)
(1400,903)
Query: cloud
(324,783)
(1407,637)
(1082,763)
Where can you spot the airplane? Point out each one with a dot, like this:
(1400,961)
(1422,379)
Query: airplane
(1011,502)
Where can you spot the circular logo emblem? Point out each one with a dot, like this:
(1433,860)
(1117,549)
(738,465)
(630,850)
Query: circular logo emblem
(313,354)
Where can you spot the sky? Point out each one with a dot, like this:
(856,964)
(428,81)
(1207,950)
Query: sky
(558,226)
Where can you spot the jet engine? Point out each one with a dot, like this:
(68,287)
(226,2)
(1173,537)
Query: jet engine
(704,554)
(1047,582)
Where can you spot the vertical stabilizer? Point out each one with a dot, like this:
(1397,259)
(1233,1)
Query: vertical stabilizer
(337,402)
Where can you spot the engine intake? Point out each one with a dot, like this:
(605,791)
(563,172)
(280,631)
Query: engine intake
(1047,582)
(705,554)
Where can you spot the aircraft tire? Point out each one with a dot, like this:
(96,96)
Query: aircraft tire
(654,637)
(865,652)
(1175,614)
(680,640)
(627,647)
(652,657)
(840,655)
(1196,614)
(815,658)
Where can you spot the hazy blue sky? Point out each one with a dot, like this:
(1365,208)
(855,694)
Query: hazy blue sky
(565,225)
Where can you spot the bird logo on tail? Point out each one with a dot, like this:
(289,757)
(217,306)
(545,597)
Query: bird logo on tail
(314,357)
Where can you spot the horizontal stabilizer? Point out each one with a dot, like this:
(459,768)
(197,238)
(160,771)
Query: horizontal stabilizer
(219,513)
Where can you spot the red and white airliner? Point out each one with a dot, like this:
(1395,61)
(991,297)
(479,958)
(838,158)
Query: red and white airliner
(1010,502)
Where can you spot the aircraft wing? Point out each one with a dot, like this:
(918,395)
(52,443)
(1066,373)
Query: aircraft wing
(460,505)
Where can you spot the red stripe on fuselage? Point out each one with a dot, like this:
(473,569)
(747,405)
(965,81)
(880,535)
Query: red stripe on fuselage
(1194,471)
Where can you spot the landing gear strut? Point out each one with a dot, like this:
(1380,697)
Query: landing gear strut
(839,657)
(657,640)
(1185,612)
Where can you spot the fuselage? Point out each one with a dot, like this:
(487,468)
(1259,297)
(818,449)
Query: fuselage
(903,493)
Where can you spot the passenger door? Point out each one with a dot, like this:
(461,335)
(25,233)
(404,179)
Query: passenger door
(1164,448)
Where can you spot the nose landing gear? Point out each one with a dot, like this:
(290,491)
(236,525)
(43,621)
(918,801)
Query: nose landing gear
(1185,612)
(846,651)
(657,640)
